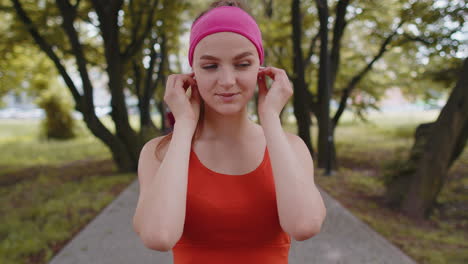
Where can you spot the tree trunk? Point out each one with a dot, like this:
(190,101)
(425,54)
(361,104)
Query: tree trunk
(439,151)
(325,137)
(107,15)
(163,70)
(437,146)
(399,176)
(148,128)
(301,110)
(125,146)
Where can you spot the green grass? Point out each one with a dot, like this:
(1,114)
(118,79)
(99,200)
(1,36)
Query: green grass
(23,148)
(46,196)
(49,210)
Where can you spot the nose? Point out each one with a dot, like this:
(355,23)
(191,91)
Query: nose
(226,78)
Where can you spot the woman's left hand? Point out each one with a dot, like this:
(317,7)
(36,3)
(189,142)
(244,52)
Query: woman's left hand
(271,101)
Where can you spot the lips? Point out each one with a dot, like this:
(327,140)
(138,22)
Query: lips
(227,94)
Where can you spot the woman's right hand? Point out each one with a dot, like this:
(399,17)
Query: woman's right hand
(184,108)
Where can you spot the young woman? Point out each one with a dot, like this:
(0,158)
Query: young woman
(221,188)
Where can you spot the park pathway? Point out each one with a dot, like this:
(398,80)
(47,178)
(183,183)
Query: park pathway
(344,239)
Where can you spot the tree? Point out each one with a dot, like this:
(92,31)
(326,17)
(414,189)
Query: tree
(149,67)
(377,29)
(123,30)
(22,67)
(415,185)
(299,41)
(301,107)
(322,111)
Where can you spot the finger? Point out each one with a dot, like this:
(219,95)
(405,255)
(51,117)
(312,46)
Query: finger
(268,71)
(272,72)
(261,72)
(192,82)
(188,81)
(262,88)
(191,78)
(180,83)
(170,81)
(192,75)
(265,75)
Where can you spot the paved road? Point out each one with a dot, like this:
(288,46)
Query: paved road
(344,239)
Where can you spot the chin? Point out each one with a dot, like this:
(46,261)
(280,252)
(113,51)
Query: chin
(226,109)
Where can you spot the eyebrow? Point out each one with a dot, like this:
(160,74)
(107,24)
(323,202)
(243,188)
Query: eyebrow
(243,54)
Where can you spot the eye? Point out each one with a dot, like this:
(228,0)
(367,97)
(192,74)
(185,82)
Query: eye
(212,66)
(244,65)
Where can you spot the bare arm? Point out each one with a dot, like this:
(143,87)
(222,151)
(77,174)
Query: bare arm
(160,213)
(300,206)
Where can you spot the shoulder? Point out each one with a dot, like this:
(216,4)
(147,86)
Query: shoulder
(293,138)
(150,148)
(148,161)
(151,144)
(300,148)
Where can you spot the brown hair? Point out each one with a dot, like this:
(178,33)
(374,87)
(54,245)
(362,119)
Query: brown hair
(166,139)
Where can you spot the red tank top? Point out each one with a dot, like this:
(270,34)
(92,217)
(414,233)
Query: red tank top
(231,219)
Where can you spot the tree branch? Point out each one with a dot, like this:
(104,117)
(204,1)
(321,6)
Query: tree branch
(162,64)
(47,48)
(310,99)
(137,79)
(358,77)
(75,6)
(6,8)
(137,42)
(280,62)
(69,13)
(428,41)
(268,8)
(313,43)
(338,30)
(133,16)
(417,38)
(149,82)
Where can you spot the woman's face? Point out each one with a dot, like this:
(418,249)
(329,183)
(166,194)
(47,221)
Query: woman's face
(226,62)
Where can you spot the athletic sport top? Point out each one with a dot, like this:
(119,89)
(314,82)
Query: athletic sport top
(231,219)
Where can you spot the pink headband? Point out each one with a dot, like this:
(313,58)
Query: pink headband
(226,19)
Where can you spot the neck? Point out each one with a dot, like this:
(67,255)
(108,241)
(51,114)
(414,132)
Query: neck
(229,129)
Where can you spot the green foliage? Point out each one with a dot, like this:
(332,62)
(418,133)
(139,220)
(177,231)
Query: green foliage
(24,69)
(59,122)
(417,60)
(167,26)
(425,58)
(276,34)
(136,33)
